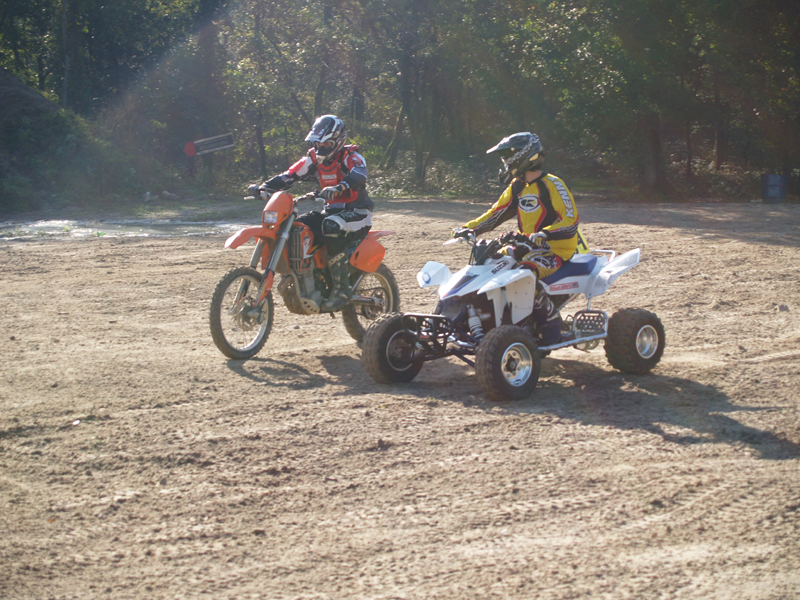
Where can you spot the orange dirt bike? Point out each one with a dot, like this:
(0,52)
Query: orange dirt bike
(242,307)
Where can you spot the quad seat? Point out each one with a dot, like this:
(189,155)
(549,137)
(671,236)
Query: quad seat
(579,264)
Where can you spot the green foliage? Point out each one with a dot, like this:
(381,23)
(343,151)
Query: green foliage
(670,94)
(61,159)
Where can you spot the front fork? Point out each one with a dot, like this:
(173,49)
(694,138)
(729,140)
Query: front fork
(269,272)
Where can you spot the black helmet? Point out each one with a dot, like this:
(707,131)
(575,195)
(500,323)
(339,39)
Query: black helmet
(328,135)
(519,152)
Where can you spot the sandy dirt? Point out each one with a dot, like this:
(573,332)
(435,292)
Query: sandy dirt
(138,462)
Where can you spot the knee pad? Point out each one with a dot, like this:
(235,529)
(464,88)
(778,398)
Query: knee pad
(331,228)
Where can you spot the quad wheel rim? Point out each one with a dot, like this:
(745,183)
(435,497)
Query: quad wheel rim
(400,351)
(647,341)
(517,364)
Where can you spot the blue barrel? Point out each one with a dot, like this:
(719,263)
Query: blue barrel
(773,188)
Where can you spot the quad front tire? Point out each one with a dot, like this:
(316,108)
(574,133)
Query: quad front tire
(635,341)
(388,351)
(239,328)
(508,363)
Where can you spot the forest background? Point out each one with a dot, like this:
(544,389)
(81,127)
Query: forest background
(669,99)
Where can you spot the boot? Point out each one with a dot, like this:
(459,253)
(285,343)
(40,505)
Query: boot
(340,278)
(551,331)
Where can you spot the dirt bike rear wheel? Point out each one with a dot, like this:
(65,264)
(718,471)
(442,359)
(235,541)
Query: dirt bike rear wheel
(238,328)
(635,341)
(508,364)
(387,351)
(380,284)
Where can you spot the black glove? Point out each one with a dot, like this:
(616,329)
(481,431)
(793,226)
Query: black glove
(522,246)
(459,232)
(330,192)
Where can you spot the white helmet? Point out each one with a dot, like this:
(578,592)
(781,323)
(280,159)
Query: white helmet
(328,135)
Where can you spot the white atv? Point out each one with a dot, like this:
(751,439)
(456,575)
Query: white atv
(503,317)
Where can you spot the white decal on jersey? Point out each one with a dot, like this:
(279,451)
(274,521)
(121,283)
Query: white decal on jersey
(529,203)
(562,191)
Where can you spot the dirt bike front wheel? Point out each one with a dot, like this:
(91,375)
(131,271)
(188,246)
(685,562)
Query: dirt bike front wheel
(380,285)
(239,327)
(507,364)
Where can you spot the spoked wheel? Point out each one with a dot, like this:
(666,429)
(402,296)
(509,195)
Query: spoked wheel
(239,327)
(635,341)
(389,350)
(381,285)
(508,364)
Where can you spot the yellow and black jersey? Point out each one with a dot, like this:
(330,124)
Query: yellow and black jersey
(546,205)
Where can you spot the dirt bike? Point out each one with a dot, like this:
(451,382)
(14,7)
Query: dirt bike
(242,308)
(496,312)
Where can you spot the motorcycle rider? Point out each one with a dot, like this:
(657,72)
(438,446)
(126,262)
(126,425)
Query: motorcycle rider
(347,214)
(542,204)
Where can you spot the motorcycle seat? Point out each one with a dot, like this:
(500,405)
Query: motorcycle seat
(579,264)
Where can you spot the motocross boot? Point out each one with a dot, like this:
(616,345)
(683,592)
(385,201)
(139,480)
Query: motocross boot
(340,275)
(551,331)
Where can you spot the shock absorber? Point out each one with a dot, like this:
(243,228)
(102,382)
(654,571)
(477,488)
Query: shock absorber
(475,327)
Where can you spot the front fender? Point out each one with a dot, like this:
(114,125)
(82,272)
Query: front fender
(516,287)
(243,235)
(433,274)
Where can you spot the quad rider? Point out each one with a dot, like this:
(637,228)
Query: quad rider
(545,212)
(347,215)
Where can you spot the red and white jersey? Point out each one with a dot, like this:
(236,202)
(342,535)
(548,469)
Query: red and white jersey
(347,163)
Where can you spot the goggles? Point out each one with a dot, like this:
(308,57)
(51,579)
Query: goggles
(324,147)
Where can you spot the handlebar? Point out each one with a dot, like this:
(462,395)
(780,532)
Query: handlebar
(313,195)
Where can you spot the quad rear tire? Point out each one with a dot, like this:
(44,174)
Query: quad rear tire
(635,341)
(508,363)
(388,351)
(238,327)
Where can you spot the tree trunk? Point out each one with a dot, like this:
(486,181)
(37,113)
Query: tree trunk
(689,173)
(319,94)
(654,176)
(262,153)
(390,154)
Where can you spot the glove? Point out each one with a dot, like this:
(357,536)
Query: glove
(258,190)
(330,192)
(461,232)
(522,246)
(539,239)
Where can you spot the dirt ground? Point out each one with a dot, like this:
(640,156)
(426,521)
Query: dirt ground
(138,462)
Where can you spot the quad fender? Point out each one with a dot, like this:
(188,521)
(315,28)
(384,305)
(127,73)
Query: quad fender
(516,287)
(433,274)
(609,273)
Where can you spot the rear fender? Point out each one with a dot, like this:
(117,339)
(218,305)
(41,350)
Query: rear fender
(374,235)
(609,273)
